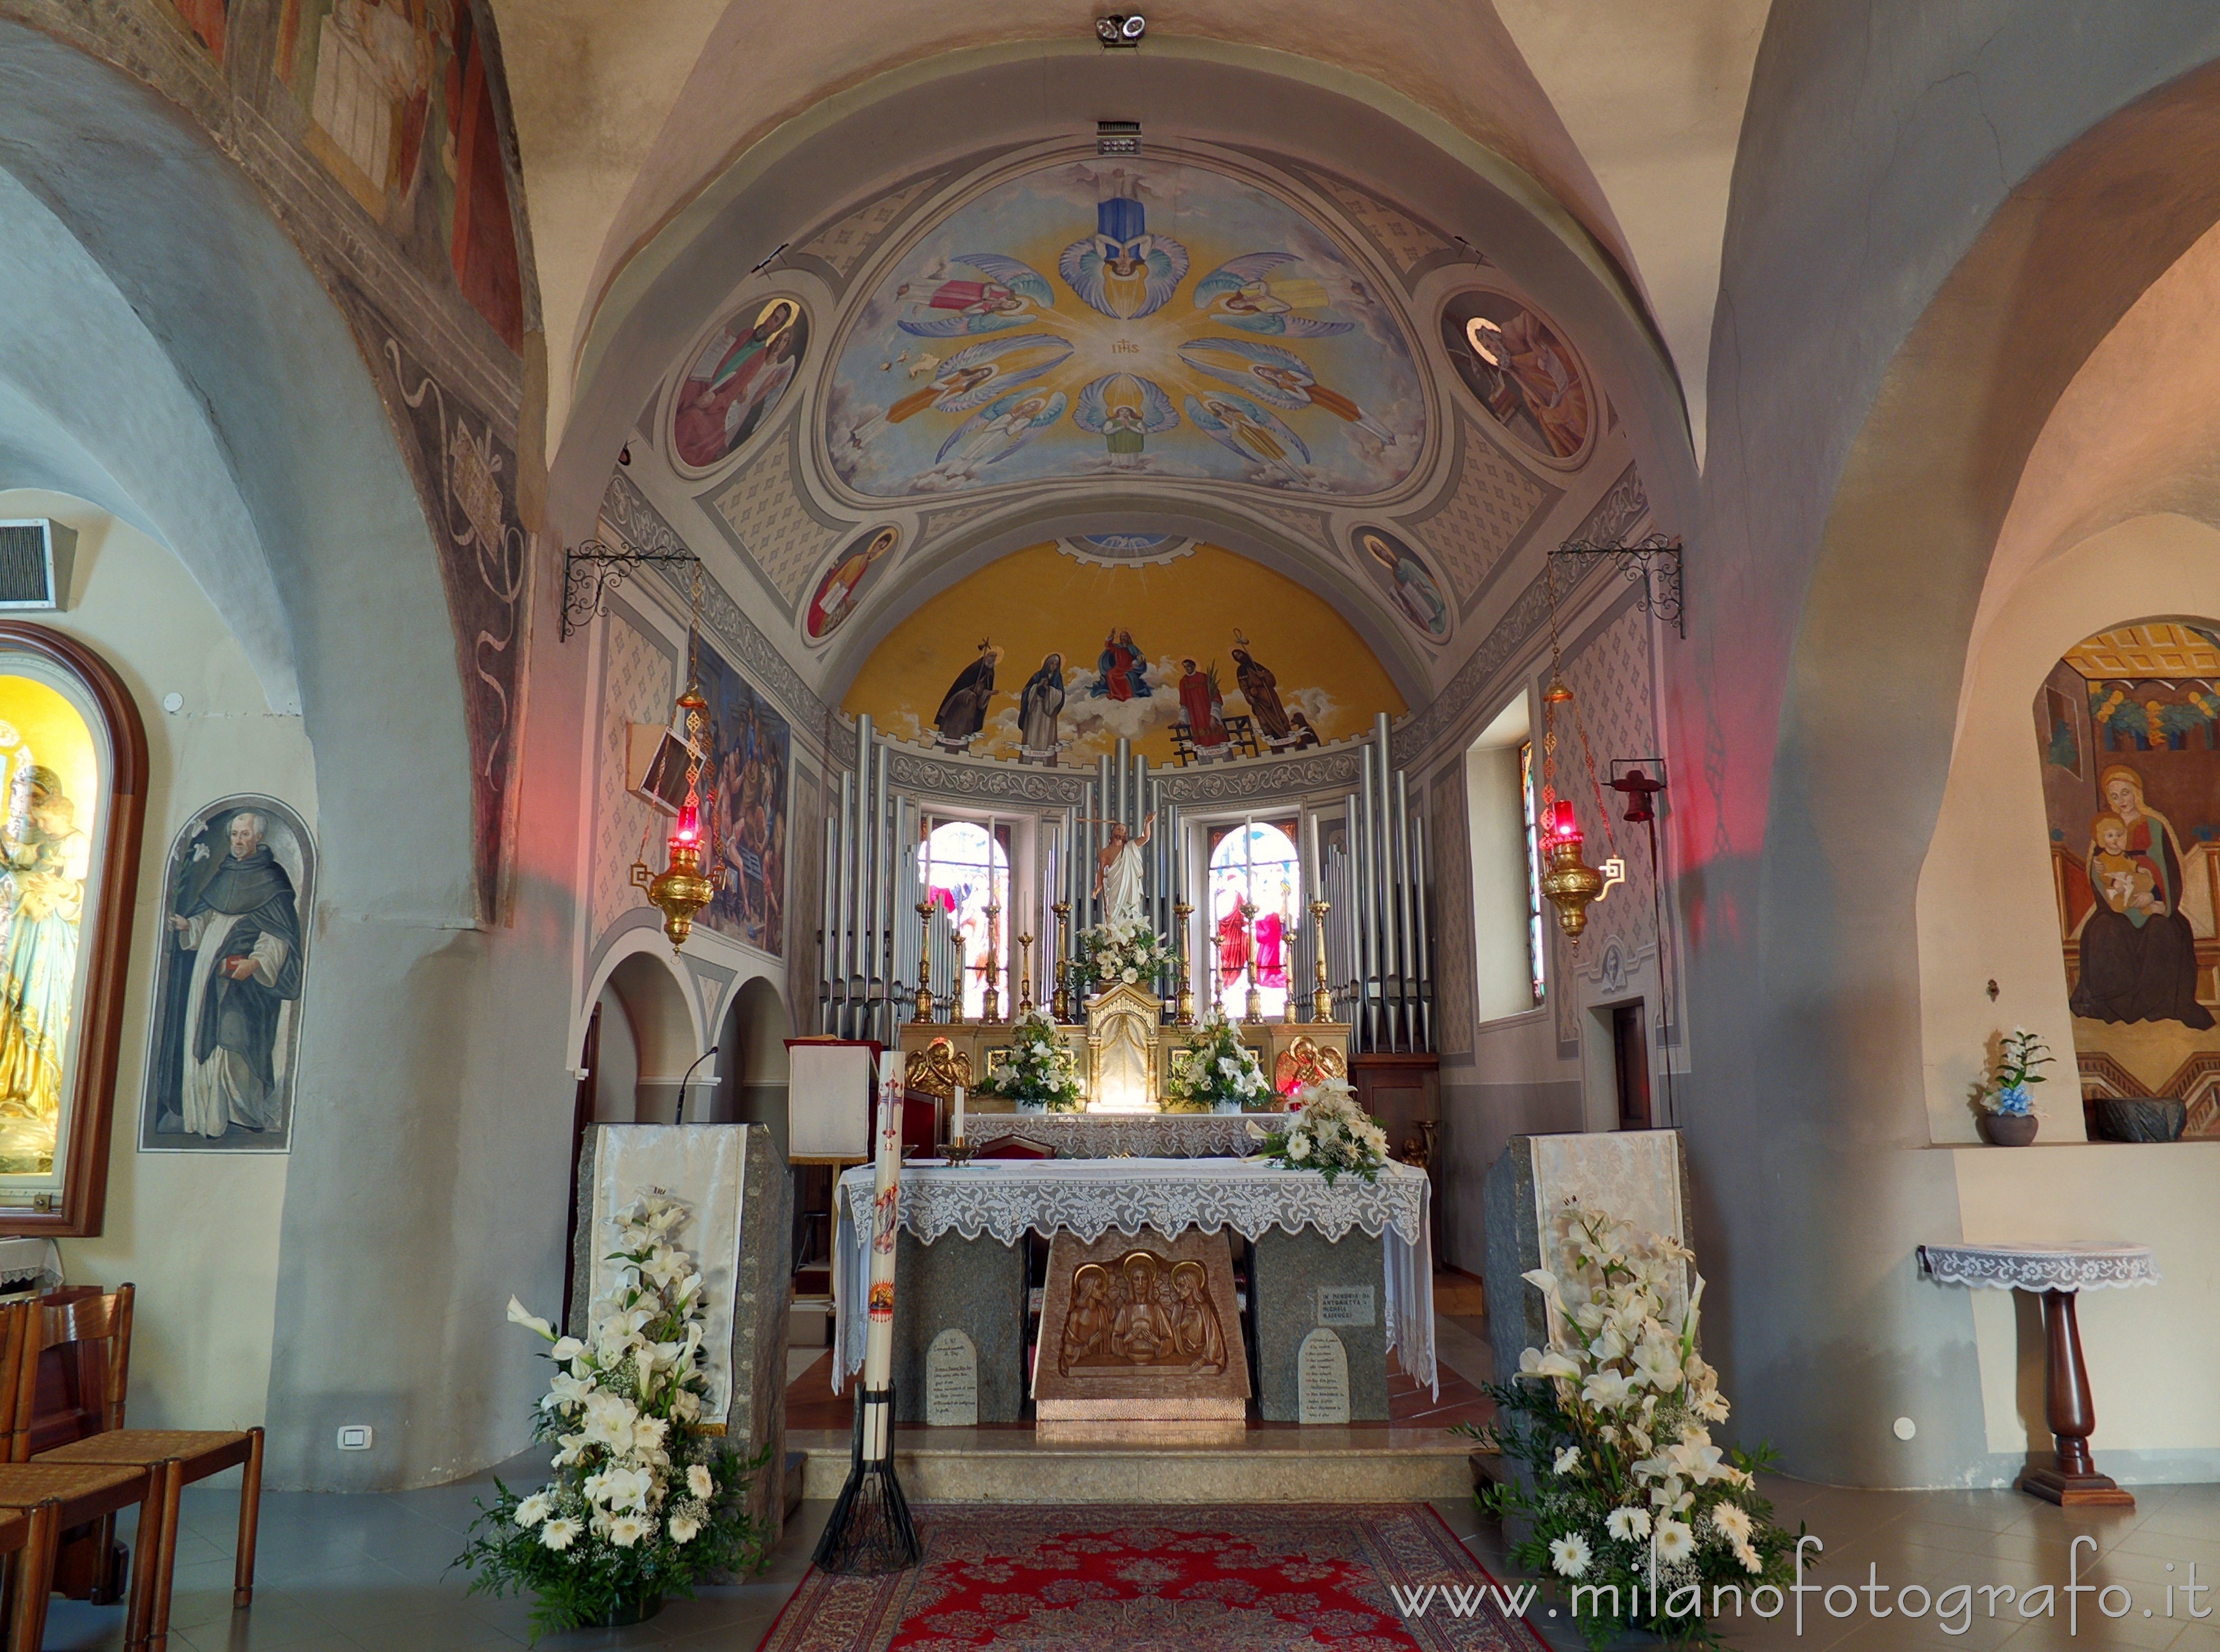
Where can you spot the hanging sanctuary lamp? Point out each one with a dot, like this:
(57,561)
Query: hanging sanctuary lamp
(1568,882)
(682,888)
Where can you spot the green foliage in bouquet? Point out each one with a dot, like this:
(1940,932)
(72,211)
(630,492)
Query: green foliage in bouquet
(644,1504)
(1217,1071)
(1326,1131)
(1635,1513)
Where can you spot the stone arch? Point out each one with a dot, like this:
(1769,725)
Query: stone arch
(752,1064)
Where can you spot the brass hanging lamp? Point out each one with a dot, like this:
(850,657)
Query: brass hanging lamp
(1569,884)
(682,889)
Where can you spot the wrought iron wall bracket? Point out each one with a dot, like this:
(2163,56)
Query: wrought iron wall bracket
(1654,559)
(591,568)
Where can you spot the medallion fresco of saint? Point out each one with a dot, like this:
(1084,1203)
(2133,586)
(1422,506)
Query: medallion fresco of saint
(1172,321)
(1520,367)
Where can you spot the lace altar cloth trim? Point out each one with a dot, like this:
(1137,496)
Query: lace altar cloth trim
(2079,1266)
(1122,1136)
(1007,1199)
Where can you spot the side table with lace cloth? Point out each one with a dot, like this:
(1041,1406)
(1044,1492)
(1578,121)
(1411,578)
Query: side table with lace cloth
(2060,1271)
(28,1267)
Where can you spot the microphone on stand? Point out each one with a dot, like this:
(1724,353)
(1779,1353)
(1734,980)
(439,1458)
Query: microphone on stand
(679,1117)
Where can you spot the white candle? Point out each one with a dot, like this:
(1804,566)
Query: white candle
(886,1195)
(956,1126)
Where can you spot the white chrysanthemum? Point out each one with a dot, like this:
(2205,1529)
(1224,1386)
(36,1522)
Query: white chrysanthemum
(627,1530)
(1569,1555)
(1733,1520)
(559,1534)
(1628,1525)
(1675,1541)
(1298,1146)
(682,1528)
(700,1481)
(1568,1460)
(534,1509)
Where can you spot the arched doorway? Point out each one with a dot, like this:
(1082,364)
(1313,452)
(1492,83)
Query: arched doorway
(646,1046)
(752,1061)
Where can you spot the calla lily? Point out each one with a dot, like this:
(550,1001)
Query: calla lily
(518,1315)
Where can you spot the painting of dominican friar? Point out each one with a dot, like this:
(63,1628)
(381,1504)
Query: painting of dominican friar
(1401,572)
(842,588)
(53,775)
(744,782)
(1051,656)
(232,961)
(736,380)
(1523,371)
(399,100)
(1076,320)
(2128,727)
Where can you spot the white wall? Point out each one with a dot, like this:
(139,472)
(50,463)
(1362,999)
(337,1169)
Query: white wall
(197,1232)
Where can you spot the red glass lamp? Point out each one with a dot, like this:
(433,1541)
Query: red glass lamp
(681,889)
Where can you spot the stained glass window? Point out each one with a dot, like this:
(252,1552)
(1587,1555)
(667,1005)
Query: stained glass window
(1255,865)
(1534,932)
(968,870)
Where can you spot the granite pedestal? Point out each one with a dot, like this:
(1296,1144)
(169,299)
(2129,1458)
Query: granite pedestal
(974,1285)
(1298,1282)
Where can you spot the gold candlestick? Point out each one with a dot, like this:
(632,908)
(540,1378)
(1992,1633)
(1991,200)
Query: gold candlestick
(1321,1000)
(1061,1008)
(1254,1013)
(924,962)
(1181,913)
(1025,976)
(990,1007)
(1217,992)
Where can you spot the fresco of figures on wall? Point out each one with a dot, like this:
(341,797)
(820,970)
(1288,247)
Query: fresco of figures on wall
(736,380)
(54,801)
(745,778)
(1047,658)
(232,960)
(2129,728)
(1093,321)
(1525,376)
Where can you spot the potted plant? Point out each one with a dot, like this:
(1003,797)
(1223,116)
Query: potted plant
(1038,1071)
(2007,1106)
(645,1502)
(1217,1073)
(1635,1514)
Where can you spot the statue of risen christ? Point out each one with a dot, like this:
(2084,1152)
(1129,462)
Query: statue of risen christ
(1118,872)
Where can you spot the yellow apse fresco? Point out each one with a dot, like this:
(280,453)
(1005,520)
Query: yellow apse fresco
(1048,656)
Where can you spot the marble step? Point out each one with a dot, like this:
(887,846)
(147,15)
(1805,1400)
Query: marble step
(1019,1465)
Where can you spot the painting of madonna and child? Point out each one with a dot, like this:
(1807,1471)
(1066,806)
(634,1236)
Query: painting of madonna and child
(2129,728)
(1049,659)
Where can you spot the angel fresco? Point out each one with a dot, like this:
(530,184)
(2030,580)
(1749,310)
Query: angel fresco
(1238,294)
(1244,428)
(1160,354)
(1122,270)
(1280,376)
(1008,293)
(1125,411)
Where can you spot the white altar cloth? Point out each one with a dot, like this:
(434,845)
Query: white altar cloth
(1126,1135)
(1007,1197)
(2081,1265)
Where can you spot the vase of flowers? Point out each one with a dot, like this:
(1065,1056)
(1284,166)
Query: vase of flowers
(1038,1072)
(1326,1131)
(1217,1072)
(1630,1507)
(2008,1117)
(644,1503)
(1128,953)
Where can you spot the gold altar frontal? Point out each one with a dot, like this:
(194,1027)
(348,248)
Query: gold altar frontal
(1123,1050)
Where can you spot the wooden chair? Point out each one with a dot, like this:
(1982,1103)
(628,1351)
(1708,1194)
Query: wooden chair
(197,1453)
(51,1498)
(33,1539)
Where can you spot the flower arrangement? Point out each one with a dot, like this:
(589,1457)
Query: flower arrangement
(1128,952)
(2019,1054)
(1039,1072)
(1217,1073)
(1633,1506)
(1326,1131)
(644,1503)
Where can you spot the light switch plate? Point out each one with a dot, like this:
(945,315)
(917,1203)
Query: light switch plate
(355,1436)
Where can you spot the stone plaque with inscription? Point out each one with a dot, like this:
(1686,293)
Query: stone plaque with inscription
(1322,1379)
(1140,1327)
(951,1382)
(1348,1305)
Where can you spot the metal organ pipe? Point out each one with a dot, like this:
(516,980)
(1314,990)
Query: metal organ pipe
(1406,962)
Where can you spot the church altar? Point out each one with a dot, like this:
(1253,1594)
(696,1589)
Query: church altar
(1005,1199)
(1125,1135)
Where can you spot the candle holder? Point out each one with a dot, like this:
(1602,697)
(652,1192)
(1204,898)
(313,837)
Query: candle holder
(924,962)
(990,1006)
(1184,1015)
(1322,998)
(956,1152)
(1217,987)
(1061,1007)
(1253,1011)
(1025,976)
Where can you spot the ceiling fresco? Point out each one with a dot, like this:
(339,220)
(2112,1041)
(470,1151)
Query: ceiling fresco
(1086,321)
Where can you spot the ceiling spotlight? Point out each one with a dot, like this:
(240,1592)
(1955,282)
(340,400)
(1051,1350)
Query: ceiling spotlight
(1120,31)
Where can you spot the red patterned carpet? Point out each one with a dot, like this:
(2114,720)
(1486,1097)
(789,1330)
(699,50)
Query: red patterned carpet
(1103,1578)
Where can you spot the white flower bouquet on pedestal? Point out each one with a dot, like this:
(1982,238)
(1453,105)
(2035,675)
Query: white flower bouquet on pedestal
(1217,1073)
(1039,1072)
(1128,953)
(644,1504)
(1635,1512)
(1326,1131)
